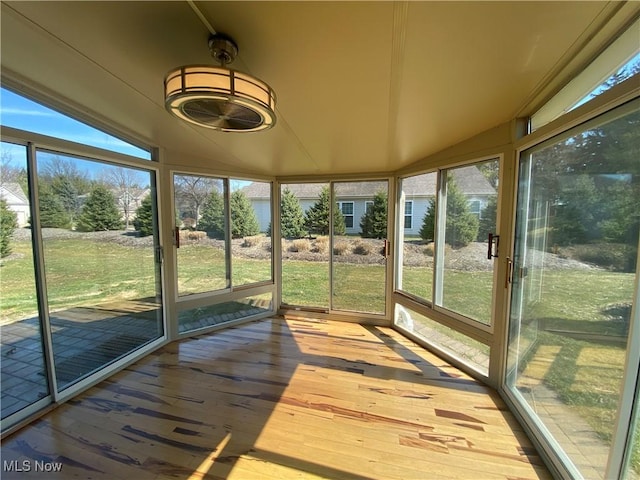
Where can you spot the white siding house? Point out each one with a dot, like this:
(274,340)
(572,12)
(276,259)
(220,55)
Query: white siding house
(17,202)
(353,197)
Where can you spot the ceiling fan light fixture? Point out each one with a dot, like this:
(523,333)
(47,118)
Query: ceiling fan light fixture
(218,97)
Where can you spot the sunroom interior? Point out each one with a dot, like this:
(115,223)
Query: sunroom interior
(464,176)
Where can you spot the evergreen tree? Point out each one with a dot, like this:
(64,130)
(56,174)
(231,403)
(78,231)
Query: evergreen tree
(427,231)
(52,211)
(292,216)
(8,223)
(143,222)
(100,212)
(374,222)
(488,219)
(461,225)
(316,218)
(212,219)
(244,222)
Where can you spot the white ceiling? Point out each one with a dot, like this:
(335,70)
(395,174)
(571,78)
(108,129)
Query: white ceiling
(361,86)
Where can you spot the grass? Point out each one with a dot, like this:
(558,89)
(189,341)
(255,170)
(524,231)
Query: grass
(585,375)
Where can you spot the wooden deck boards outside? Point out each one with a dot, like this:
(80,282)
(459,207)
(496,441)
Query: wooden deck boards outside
(281,399)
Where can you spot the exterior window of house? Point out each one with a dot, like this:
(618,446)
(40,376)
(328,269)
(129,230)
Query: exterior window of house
(347,211)
(474,207)
(408,214)
(368,205)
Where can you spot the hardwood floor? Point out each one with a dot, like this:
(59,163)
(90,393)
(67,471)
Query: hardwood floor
(280,399)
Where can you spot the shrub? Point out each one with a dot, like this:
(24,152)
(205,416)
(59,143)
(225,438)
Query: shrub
(322,245)
(617,257)
(341,248)
(362,248)
(429,250)
(300,245)
(252,241)
(8,223)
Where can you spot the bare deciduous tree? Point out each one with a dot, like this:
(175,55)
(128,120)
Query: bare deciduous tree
(125,184)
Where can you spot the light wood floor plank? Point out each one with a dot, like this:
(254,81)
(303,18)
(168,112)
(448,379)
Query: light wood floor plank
(283,398)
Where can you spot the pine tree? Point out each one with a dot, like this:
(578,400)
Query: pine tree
(52,211)
(427,231)
(292,216)
(8,223)
(244,222)
(212,220)
(374,222)
(317,217)
(143,221)
(100,213)
(488,219)
(461,225)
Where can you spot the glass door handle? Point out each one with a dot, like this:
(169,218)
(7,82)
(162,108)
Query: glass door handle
(492,239)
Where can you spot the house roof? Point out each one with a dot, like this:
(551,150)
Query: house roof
(469,179)
(13,189)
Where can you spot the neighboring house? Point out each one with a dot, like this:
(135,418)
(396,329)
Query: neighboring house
(17,202)
(129,200)
(353,198)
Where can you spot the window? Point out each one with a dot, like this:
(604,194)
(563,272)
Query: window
(474,207)
(347,212)
(575,288)
(408,214)
(201,234)
(620,61)
(450,259)
(368,205)
(93,296)
(24,114)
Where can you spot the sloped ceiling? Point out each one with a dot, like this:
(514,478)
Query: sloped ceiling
(362,86)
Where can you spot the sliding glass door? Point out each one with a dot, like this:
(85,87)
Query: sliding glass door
(24,373)
(101,261)
(572,361)
(360,247)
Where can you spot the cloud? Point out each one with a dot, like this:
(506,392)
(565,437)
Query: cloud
(26,112)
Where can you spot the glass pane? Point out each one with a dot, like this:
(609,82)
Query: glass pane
(103,282)
(465,266)
(415,272)
(24,377)
(359,263)
(632,467)
(201,217)
(576,249)
(202,317)
(19,112)
(304,213)
(250,224)
(456,344)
